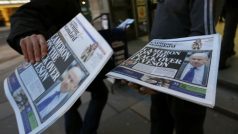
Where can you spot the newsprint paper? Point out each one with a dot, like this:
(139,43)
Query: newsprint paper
(185,67)
(40,93)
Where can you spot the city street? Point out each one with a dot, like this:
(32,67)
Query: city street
(126,112)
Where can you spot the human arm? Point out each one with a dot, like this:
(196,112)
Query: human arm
(33,47)
(24,23)
(35,22)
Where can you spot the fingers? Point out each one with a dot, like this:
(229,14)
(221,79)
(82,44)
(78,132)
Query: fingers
(43,45)
(142,90)
(24,50)
(124,82)
(36,54)
(146,91)
(133,86)
(34,47)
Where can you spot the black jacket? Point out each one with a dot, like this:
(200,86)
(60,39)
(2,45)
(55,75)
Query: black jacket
(182,18)
(41,16)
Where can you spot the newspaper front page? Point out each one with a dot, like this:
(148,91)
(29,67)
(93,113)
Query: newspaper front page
(185,67)
(40,93)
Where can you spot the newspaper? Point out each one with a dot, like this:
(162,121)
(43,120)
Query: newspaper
(126,23)
(40,93)
(185,67)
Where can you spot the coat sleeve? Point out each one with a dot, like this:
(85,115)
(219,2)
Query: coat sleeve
(25,21)
(40,17)
(201,15)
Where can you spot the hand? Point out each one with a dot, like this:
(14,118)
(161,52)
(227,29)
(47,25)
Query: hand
(142,90)
(34,47)
(123,82)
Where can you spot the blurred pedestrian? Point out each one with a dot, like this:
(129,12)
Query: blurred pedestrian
(175,19)
(229,33)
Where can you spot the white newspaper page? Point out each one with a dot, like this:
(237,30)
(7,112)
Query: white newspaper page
(126,23)
(186,67)
(40,93)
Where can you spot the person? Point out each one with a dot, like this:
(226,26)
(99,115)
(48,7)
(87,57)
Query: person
(175,19)
(228,44)
(218,11)
(196,70)
(35,22)
(69,84)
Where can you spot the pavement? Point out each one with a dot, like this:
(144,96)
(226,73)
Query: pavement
(126,111)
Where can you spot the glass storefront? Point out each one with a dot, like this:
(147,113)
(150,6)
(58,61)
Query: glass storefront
(7,7)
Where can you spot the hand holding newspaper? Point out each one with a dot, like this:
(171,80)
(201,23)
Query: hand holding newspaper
(40,93)
(185,67)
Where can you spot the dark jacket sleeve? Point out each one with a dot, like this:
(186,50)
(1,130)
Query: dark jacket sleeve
(40,17)
(201,17)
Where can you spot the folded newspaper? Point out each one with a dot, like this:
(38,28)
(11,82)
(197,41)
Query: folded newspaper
(185,67)
(40,93)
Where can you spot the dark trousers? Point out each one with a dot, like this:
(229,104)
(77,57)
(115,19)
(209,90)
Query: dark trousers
(73,121)
(168,113)
(231,20)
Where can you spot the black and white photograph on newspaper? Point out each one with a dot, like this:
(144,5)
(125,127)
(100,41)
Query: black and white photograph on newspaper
(65,86)
(195,68)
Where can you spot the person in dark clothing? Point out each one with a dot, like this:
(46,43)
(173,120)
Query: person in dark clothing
(34,23)
(174,19)
(228,44)
(218,11)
